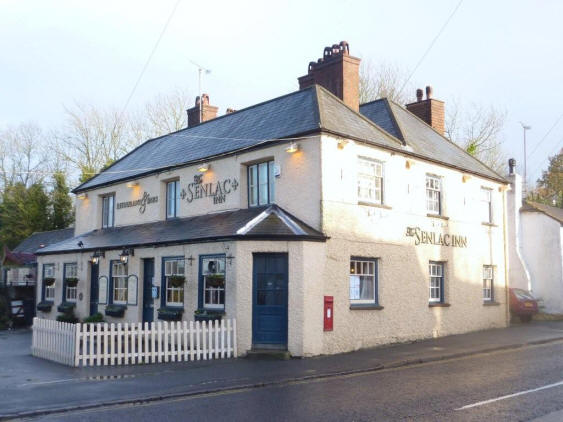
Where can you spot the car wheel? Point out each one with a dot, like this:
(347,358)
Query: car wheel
(525,318)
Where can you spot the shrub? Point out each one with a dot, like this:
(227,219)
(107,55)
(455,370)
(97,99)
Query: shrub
(67,317)
(93,318)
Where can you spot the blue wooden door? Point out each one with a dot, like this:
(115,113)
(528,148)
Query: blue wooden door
(269,307)
(148,301)
(94,288)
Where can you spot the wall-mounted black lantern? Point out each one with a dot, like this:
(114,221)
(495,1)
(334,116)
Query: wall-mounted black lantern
(124,256)
(96,257)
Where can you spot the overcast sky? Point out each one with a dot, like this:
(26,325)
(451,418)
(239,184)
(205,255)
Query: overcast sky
(508,54)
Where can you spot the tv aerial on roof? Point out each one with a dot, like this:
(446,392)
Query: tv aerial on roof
(201,70)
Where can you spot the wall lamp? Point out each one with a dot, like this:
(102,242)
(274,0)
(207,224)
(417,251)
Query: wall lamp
(82,195)
(203,168)
(96,257)
(293,147)
(132,184)
(124,256)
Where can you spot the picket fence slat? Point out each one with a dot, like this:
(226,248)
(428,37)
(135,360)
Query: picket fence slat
(137,343)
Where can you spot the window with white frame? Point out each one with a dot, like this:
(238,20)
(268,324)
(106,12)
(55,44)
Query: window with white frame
(486,205)
(174,274)
(108,208)
(261,186)
(213,272)
(370,181)
(71,279)
(49,281)
(488,278)
(436,273)
(433,194)
(172,199)
(119,277)
(363,281)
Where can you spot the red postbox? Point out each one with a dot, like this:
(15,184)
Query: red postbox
(328,312)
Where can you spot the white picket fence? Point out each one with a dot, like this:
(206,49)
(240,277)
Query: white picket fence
(127,344)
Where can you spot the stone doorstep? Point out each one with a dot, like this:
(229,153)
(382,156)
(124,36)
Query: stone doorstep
(268,354)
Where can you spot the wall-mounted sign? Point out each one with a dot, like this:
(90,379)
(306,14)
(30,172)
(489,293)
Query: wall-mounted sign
(141,202)
(432,238)
(216,190)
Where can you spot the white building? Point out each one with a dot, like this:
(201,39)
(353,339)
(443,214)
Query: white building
(321,225)
(536,247)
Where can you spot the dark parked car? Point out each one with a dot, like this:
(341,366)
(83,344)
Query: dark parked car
(523,304)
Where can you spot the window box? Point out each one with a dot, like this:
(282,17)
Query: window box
(44,306)
(117,311)
(168,313)
(176,280)
(208,315)
(49,281)
(67,317)
(71,281)
(438,305)
(66,307)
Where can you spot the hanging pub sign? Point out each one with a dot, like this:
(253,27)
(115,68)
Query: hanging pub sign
(433,238)
(217,190)
(142,202)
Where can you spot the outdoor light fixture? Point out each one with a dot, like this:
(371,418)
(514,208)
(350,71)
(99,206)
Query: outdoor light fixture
(132,184)
(342,143)
(203,168)
(293,147)
(124,257)
(96,257)
(83,195)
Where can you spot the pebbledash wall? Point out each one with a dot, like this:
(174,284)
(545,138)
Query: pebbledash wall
(319,185)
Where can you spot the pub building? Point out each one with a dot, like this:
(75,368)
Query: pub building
(321,225)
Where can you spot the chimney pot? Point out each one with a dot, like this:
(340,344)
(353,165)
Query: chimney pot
(202,111)
(511,166)
(419,95)
(336,71)
(428,92)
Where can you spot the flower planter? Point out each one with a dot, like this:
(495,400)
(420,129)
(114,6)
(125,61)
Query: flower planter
(66,307)
(170,313)
(49,281)
(117,311)
(71,282)
(206,315)
(44,306)
(176,280)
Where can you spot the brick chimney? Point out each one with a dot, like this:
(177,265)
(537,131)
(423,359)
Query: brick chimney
(429,110)
(207,112)
(338,72)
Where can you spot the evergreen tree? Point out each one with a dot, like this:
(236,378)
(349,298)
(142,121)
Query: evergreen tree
(550,186)
(62,210)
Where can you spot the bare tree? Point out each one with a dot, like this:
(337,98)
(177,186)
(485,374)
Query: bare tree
(22,155)
(382,80)
(478,130)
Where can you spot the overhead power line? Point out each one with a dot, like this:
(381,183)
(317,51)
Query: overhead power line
(430,46)
(546,135)
(146,64)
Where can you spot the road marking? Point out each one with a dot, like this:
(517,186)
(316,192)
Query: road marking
(508,396)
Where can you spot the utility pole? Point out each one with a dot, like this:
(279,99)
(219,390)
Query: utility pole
(525,186)
(200,70)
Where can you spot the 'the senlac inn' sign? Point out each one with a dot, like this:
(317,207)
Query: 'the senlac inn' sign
(432,238)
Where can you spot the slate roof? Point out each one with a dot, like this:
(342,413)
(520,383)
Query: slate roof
(553,212)
(423,140)
(244,224)
(17,258)
(34,242)
(305,112)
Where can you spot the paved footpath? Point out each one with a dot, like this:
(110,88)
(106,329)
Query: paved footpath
(32,386)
